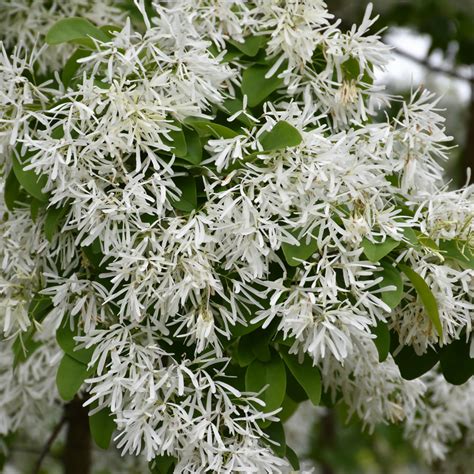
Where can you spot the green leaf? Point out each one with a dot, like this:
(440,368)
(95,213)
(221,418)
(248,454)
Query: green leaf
(39,307)
(193,146)
(65,338)
(232,106)
(351,68)
(23,346)
(187,202)
(282,135)
(293,388)
(459,251)
(288,407)
(35,207)
(294,254)
(52,220)
(71,66)
(427,297)
(72,30)
(162,464)
(271,373)
(292,458)
(426,241)
(456,364)
(206,128)
(382,340)
(305,373)
(276,434)
(177,141)
(256,86)
(31,182)
(250,46)
(70,376)
(411,237)
(376,251)
(391,277)
(410,364)
(245,353)
(12,191)
(102,426)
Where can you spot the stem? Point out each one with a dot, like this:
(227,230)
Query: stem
(44,452)
(77,452)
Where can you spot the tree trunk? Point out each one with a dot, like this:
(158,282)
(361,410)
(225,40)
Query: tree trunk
(77,452)
(328,438)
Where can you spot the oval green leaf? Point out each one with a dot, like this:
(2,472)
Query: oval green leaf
(295,254)
(102,426)
(382,340)
(70,376)
(187,202)
(31,182)
(281,136)
(73,29)
(250,46)
(256,86)
(376,251)
(272,373)
(305,373)
(427,297)
(391,277)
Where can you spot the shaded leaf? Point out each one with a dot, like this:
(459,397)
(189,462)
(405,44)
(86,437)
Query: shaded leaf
(71,66)
(272,373)
(305,373)
(162,464)
(456,364)
(194,147)
(276,434)
(23,346)
(292,458)
(31,182)
(410,364)
(52,220)
(382,340)
(12,192)
(187,202)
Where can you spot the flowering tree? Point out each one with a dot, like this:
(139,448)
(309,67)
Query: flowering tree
(205,222)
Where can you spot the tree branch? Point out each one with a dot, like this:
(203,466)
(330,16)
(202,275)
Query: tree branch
(49,442)
(426,63)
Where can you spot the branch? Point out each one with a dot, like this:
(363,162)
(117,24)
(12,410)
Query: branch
(47,446)
(425,62)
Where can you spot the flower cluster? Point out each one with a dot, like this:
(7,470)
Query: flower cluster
(206,203)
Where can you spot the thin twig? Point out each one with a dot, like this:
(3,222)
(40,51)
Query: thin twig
(426,63)
(47,446)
